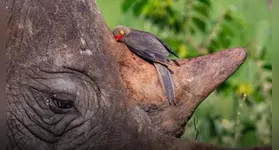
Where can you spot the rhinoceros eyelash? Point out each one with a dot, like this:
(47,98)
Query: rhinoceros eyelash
(47,102)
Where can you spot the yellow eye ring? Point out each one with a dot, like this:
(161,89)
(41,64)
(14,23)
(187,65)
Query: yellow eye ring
(121,32)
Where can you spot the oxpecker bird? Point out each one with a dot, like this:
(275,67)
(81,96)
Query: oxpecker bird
(150,48)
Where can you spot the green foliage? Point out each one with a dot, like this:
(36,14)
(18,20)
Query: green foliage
(238,113)
(156,11)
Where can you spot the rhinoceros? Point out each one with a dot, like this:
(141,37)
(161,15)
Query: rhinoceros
(70,85)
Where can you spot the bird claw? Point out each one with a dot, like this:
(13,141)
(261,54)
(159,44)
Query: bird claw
(172,102)
(175,62)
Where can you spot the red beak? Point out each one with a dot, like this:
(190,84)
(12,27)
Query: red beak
(118,37)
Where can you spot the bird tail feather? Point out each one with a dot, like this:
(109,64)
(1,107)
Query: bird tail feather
(166,81)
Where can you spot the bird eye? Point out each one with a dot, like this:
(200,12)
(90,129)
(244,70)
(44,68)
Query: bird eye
(121,32)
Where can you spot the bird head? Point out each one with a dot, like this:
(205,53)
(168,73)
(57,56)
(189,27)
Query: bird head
(120,32)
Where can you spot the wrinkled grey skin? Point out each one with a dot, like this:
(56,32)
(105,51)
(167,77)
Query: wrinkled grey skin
(53,63)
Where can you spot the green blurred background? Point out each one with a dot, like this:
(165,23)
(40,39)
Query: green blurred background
(238,113)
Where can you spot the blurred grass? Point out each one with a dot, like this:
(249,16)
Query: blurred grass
(199,27)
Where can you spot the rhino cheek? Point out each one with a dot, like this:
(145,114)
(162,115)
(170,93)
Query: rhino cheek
(31,114)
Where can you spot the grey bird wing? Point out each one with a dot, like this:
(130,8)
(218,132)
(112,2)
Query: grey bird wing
(166,46)
(146,46)
(166,81)
(148,56)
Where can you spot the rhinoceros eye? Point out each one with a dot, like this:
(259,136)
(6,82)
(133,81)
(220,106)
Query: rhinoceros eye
(62,103)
